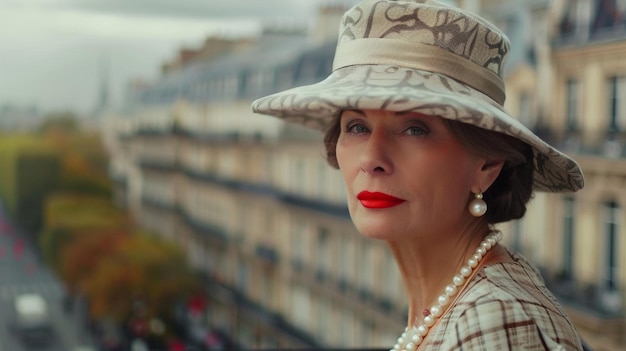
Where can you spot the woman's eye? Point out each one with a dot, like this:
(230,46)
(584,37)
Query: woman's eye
(415,131)
(356,128)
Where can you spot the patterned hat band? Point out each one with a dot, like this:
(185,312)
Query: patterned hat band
(394,52)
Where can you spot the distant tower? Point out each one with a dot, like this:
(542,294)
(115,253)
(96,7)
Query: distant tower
(103,93)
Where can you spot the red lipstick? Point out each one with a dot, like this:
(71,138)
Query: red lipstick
(377,200)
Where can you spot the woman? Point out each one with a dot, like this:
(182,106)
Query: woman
(414,121)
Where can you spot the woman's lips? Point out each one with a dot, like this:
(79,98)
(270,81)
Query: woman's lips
(377,200)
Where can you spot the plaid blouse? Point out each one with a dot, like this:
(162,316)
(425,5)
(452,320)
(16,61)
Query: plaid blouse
(506,306)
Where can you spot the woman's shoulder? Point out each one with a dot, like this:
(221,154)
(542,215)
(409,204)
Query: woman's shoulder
(512,263)
(506,324)
(515,285)
(506,306)
(512,277)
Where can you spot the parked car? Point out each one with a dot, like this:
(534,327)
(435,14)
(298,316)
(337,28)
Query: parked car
(32,321)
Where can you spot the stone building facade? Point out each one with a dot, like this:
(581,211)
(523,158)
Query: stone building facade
(264,219)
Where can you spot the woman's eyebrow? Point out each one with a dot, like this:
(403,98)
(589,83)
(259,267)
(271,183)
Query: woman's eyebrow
(411,113)
(360,112)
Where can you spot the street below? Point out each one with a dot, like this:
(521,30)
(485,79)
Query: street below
(22,272)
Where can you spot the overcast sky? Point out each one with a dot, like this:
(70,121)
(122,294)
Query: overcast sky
(52,52)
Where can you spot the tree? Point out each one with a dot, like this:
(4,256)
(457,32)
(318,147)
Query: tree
(28,173)
(59,121)
(137,277)
(68,216)
(83,157)
(84,254)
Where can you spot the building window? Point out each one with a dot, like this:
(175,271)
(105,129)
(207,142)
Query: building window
(298,176)
(243,277)
(308,71)
(525,109)
(244,212)
(346,327)
(570,18)
(573,91)
(324,322)
(391,279)
(227,163)
(346,258)
(568,238)
(268,233)
(298,242)
(610,264)
(366,331)
(268,168)
(609,13)
(284,78)
(323,252)
(367,269)
(301,307)
(617,103)
(267,289)
(230,85)
(516,243)
(262,80)
(322,181)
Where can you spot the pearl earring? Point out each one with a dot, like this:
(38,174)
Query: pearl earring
(478,206)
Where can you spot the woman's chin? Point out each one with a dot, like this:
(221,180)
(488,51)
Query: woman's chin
(379,229)
(386,224)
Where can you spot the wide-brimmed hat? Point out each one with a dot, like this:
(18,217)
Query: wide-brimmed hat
(423,56)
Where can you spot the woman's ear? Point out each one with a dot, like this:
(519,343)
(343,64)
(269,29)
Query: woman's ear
(487,174)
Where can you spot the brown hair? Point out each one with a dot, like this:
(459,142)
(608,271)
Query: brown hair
(510,192)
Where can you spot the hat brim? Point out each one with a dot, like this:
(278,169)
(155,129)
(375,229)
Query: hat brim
(395,88)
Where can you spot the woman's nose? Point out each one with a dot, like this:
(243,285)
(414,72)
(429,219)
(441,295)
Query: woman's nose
(375,156)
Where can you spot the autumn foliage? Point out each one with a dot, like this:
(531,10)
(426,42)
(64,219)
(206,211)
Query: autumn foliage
(69,215)
(101,256)
(122,272)
(139,270)
(83,256)
(82,155)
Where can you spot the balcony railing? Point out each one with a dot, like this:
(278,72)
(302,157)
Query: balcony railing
(578,34)
(259,313)
(610,143)
(587,298)
(267,254)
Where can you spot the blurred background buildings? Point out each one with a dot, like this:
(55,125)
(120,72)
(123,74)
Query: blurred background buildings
(264,219)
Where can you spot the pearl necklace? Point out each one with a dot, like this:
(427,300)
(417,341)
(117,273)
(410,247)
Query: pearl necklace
(414,336)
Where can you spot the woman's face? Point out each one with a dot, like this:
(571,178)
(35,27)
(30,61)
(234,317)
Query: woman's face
(405,174)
